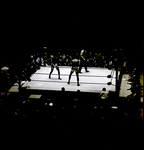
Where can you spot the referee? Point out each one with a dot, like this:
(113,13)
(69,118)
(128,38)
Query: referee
(83,60)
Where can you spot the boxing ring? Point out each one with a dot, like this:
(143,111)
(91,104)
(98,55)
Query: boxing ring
(92,81)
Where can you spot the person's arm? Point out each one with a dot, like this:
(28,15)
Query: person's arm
(81,54)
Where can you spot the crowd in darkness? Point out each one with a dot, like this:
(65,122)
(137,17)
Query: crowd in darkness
(94,58)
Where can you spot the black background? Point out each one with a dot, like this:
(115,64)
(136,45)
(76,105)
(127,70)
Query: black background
(26,28)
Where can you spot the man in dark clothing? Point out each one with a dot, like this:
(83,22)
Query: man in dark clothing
(54,64)
(83,60)
(75,64)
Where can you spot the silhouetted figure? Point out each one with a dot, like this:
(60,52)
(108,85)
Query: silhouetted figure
(103,98)
(54,64)
(75,64)
(83,60)
(104,94)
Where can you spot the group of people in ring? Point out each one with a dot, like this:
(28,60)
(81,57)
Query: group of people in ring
(77,69)
(75,65)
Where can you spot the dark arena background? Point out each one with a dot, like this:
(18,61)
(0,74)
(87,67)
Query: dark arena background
(38,110)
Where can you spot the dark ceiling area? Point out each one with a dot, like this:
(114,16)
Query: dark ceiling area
(106,29)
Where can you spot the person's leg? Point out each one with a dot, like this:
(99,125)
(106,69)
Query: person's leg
(77,79)
(58,72)
(81,64)
(70,77)
(52,68)
(80,68)
(85,65)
